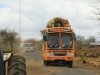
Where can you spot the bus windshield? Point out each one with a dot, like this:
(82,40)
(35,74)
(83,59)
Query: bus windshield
(66,40)
(53,40)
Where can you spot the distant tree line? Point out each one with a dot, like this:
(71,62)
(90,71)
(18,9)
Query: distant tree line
(80,40)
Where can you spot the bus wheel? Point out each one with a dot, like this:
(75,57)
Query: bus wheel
(70,64)
(46,63)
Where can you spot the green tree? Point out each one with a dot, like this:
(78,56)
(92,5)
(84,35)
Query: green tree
(79,41)
(90,39)
(8,36)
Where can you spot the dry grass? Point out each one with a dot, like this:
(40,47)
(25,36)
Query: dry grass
(91,56)
(78,59)
(94,61)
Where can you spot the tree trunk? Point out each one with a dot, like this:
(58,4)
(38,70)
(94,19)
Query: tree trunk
(11,46)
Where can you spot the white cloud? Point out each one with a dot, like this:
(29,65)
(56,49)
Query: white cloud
(36,13)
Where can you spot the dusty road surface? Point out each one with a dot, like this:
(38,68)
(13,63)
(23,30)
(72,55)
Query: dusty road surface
(35,67)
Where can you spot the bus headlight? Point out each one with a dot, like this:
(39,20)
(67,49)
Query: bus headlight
(70,54)
(50,54)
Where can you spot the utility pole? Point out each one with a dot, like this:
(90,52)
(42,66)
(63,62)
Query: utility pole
(20,16)
(20,22)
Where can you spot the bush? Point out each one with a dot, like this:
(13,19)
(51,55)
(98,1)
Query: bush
(38,46)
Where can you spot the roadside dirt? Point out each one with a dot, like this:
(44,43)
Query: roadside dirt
(87,66)
(35,67)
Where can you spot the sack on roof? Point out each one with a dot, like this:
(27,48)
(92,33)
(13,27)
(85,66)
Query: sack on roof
(57,22)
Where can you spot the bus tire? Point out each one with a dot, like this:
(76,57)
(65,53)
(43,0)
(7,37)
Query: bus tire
(70,64)
(46,63)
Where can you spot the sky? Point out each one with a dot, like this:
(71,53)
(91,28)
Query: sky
(35,14)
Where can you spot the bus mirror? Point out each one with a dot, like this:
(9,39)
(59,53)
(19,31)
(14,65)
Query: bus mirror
(44,36)
(74,37)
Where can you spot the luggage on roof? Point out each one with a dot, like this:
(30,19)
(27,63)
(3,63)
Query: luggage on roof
(58,22)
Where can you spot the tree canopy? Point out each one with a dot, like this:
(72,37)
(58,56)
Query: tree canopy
(8,36)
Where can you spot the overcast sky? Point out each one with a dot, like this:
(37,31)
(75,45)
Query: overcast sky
(36,13)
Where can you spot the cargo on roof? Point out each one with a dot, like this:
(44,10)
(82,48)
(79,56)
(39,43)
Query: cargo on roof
(58,22)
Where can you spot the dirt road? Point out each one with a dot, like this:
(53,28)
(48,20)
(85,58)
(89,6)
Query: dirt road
(35,67)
